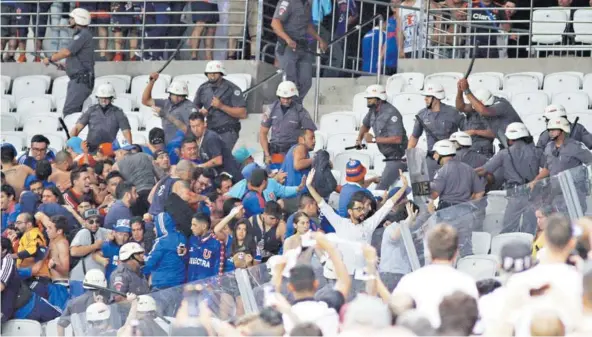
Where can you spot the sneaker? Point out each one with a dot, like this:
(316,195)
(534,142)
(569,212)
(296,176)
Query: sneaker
(117,58)
(101,58)
(22,58)
(37,59)
(9,59)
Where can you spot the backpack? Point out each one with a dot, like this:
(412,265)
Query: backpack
(324,181)
(74,260)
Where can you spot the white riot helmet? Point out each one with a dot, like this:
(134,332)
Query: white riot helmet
(444,148)
(81,16)
(375,91)
(272,262)
(98,311)
(484,96)
(434,89)
(559,123)
(286,89)
(178,88)
(516,131)
(95,277)
(146,303)
(215,67)
(129,249)
(554,110)
(105,90)
(462,138)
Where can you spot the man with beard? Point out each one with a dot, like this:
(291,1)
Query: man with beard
(390,137)
(298,162)
(127,277)
(116,239)
(32,249)
(80,190)
(126,196)
(162,163)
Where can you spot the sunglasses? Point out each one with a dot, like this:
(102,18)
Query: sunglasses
(92,221)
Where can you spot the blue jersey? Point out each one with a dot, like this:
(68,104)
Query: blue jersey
(294,177)
(371,50)
(392,48)
(111,251)
(164,189)
(205,254)
(344,13)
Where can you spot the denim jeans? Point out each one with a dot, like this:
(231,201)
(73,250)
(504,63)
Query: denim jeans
(57,38)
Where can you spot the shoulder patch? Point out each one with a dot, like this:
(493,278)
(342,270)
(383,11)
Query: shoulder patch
(394,119)
(76,37)
(193,110)
(237,92)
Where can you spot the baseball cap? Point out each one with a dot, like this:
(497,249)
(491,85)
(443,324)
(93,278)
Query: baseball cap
(91,213)
(354,171)
(516,257)
(106,149)
(248,170)
(122,226)
(157,153)
(156,136)
(396,189)
(242,153)
(75,143)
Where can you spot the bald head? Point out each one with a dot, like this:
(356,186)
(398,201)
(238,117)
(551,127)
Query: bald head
(184,169)
(62,157)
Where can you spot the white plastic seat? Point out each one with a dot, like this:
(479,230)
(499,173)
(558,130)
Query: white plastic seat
(128,78)
(496,201)
(321,140)
(158,91)
(59,87)
(57,140)
(40,124)
(6,108)
(449,81)
(340,160)
(535,124)
(560,82)
(336,143)
(29,86)
(481,242)
(4,84)
(16,138)
(118,83)
(9,122)
(152,122)
(338,122)
(572,101)
(480,267)
(394,86)
(585,118)
(21,327)
(498,241)
(408,124)
(194,81)
(413,81)
(530,103)
(491,81)
(378,164)
(134,122)
(408,103)
(131,98)
(33,105)
(360,107)
(493,222)
(548,26)
(503,94)
(587,84)
(582,25)
(124,103)
(239,79)
(521,82)
(51,328)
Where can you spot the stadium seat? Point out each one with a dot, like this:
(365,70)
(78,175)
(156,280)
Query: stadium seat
(585,118)
(561,82)
(340,160)
(360,107)
(71,120)
(131,98)
(408,103)
(535,124)
(134,122)
(548,26)
(124,103)
(521,82)
(30,86)
(498,241)
(57,140)
(59,87)
(587,84)
(16,138)
(408,124)
(9,121)
(151,122)
(33,105)
(481,243)
(496,202)
(118,83)
(378,164)
(4,84)
(493,222)
(572,101)
(338,122)
(582,25)
(40,124)
(413,81)
(502,94)
(394,86)
(491,81)
(530,103)
(239,79)
(449,81)
(51,329)
(138,116)
(321,140)
(336,143)
(6,108)
(480,267)
(158,91)
(128,78)
(194,81)
(21,327)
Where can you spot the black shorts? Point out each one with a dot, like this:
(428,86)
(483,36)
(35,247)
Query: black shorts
(211,15)
(8,20)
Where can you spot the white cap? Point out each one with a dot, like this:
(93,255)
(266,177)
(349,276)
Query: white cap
(129,249)
(516,131)
(434,89)
(95,277)
(376,91)
(105,90)
(81,16)
(146,303)
(444,148)
(215,67)
(559,123)
(554,110)
(484,96)
(461,138)
(178,88)
(98,311)
(286,89)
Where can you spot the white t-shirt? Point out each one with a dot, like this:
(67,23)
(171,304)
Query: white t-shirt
(430,284)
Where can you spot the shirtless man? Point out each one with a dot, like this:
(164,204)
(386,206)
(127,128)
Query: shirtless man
(59,248)
(14,174)
(61,171)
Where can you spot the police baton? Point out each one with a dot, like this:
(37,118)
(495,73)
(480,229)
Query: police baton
(475,47)
(357,147)
(171,58)
(37,54)
(277,72)
(117,292)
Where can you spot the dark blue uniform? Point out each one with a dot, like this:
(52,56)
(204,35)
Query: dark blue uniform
(163,190)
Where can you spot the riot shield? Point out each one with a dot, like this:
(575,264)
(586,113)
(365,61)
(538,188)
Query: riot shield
(419,176)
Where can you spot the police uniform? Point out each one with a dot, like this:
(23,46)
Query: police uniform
(212,146)
(520,164)
(474,159)
(503,115)
(220,122)
(455,183)
(578,132)
(179,111)
(388,122)
(103,124)
(125,280)
(286,124)
(295,16)
(441,124)
(474,121)
(80,68)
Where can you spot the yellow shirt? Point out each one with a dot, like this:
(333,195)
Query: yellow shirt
(32,241)
(537,245)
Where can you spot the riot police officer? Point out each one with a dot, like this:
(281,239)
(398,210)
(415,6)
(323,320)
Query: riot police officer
(520,164)
(456,183)
(222,102)
(478,129)
(127,277)
(498,111)
(577,131)
(464,150)
(80,62)
(291,22)
(438,119)
(104,120)
(286,119)
(389,133)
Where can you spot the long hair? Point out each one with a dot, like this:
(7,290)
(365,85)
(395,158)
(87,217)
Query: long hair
(248,242)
